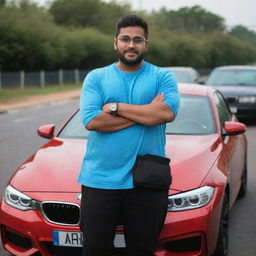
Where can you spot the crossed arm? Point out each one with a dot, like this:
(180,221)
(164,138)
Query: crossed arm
(154,113)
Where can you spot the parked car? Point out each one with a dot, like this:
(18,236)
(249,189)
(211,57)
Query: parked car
(40,211)
(238,85)
(185,74)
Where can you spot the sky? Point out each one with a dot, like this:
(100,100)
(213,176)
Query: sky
(234,12)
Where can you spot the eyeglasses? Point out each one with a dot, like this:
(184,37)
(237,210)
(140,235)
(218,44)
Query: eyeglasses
(136,40)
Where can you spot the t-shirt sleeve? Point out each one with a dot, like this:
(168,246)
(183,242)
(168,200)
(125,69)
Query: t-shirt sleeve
(168,86)
(91,97)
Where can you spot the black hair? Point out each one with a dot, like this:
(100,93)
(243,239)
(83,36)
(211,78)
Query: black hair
(132,20)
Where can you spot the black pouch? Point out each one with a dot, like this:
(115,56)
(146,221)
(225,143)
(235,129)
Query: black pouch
(151,171)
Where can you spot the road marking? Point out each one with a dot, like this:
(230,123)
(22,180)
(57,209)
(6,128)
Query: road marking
(24,119)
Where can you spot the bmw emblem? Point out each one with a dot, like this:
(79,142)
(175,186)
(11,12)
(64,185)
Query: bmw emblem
(79,196)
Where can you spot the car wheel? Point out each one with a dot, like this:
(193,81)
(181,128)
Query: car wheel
(223,236)
(243,188)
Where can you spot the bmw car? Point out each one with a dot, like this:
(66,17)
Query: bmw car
(40,209)
(238,85)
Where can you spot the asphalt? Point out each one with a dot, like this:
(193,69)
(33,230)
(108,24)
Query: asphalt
(34,100)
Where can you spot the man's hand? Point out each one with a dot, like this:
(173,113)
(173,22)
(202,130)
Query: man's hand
(106,107)
(159,98)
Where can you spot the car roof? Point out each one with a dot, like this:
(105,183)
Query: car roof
(236,67)
(195,89)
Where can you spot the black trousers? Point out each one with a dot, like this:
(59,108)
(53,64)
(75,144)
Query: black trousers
(141,211)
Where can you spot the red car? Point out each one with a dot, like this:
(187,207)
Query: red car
(40,213)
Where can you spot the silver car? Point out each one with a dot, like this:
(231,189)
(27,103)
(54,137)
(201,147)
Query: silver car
(185,74)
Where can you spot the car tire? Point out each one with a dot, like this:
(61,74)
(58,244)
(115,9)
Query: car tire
(243,188)
(223,236)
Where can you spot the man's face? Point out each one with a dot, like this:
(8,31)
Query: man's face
(130,45)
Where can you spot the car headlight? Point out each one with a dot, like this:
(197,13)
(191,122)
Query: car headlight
(18,200)
(247,99)
(191,199)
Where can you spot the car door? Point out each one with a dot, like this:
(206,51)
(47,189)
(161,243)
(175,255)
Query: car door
(234,147)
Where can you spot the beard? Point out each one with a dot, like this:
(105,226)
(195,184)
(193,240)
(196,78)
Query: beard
(128,62)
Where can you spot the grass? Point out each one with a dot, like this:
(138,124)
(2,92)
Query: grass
(17,94)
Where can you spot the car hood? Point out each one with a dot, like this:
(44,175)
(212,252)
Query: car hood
(236,90)
(191,159)
(53,168)
(56,165)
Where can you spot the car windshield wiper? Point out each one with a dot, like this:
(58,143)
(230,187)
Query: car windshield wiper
(245,84)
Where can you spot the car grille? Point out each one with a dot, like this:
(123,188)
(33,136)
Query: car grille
(61,213)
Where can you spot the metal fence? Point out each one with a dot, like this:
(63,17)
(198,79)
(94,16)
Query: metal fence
(22,79)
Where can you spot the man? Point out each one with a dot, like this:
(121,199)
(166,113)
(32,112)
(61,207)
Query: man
(125,106)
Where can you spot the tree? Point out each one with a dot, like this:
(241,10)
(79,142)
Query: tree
(243,33)
(110,13)
(78,13)
(87,48)
(190,19)
(2,3)
(88,13)
(223,49)
(29,39)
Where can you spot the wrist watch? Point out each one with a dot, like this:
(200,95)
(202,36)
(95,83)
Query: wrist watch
(113,109)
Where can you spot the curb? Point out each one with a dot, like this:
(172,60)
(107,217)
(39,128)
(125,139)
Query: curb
(39,100)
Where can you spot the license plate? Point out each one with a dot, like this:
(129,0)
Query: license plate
(75,239)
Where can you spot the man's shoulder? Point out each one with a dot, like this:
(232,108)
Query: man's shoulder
(161,71)
(101,70)
(97,74)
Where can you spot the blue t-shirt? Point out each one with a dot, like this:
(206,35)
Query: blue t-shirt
(110,156)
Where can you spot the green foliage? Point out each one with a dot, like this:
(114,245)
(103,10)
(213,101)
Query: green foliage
(186,51)
(29,39)
(243,33)
(189,19)
(223,49)
(88,48)
(157,52)
(176,49)
(109,14)
(79,34)
(88,13)
(2,3)
(76,12)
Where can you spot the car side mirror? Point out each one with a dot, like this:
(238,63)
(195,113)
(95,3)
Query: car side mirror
(233,128)
(46,131)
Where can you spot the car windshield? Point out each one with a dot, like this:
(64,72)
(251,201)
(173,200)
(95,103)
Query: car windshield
(195,117)
(182,76)
(232,77)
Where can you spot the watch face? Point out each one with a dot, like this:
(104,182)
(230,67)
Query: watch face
(113,107)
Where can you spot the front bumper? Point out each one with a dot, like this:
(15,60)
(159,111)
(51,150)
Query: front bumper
(244,110)
(185,233)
